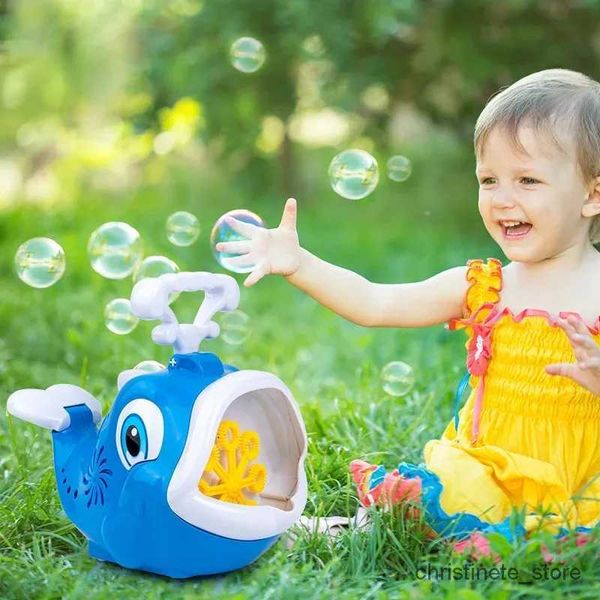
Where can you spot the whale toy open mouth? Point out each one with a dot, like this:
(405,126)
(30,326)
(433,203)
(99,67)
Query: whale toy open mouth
(259,403)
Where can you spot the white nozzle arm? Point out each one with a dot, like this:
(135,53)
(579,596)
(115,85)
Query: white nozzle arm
(150,300)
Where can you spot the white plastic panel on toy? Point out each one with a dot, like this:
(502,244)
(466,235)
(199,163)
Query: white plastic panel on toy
(260,402)
(46,408)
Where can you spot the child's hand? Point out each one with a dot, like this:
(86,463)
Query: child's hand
(586,371)
(271,250)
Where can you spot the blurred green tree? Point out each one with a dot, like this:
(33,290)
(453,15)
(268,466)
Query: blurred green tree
(351,64)
(445,57)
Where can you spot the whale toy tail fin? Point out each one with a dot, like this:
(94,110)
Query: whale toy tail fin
(46,408)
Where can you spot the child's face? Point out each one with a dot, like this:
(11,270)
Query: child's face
(542,188)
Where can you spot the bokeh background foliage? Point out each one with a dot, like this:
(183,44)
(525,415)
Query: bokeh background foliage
(114,110)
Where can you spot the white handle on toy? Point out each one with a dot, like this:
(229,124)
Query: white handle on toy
(150,301)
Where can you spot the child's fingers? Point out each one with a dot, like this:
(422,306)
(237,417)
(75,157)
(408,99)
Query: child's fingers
(587,341)
(581,340)
(244,260)
(288,218)
(255,276)
(579,350)
(579,327)
(570,370)
(582,376)
(590,363)
(567,325)
(562,369)
(245,229)
(239,247)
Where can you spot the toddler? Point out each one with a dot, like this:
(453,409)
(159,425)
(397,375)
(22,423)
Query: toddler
(528,436)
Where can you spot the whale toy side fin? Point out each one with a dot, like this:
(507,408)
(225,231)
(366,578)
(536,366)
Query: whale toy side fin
(46,408)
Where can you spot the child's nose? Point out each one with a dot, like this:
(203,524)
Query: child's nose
(503,198)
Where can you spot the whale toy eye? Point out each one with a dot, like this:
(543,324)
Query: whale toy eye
(140,431)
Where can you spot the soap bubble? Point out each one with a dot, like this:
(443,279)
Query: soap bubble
(119,317)
(182,228)
(40,262)
(399,168)
(115,250)
(397,378)
(235,327)
(149,366)
(353,174)
(154,266)
(222,232)
(247,54)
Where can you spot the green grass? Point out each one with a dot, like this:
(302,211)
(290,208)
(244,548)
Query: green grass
(332,367)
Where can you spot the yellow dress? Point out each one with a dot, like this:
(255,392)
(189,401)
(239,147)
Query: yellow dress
(525,440)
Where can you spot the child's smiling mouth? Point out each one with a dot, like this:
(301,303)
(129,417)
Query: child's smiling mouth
(514,230)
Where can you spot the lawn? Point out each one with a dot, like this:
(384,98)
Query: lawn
(404,232)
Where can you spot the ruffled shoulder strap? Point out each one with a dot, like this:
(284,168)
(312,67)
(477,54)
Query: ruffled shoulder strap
(486,282)
(481,299)
(483,293)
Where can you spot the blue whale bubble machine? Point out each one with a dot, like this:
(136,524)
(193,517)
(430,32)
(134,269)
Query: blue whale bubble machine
(197,468)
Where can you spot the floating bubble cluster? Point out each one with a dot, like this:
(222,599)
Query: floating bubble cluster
(183,228)
(247,54)
(397,378)
(399,168)
(115,250)
(222,232)
(235,327)
(40,262)
(353,174)
(119,317)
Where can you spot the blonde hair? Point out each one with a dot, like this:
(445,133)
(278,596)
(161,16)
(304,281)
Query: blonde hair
(550,101)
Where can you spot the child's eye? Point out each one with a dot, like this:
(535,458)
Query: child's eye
(487,181)
(529,180)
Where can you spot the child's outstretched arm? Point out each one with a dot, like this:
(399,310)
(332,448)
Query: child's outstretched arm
(419,304)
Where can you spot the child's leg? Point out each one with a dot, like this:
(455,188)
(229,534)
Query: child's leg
(375,486)
(464,480)
(369,481)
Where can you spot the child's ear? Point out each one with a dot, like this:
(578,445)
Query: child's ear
(591,206)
